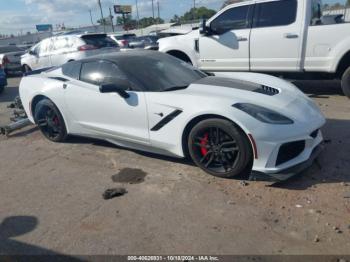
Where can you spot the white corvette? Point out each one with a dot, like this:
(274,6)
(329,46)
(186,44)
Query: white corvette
(229,124)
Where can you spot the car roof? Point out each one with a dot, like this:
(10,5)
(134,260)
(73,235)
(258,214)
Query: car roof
(118,56)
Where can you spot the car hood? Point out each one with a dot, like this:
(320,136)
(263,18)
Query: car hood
(263,90)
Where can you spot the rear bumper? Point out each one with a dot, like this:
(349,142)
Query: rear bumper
(289,172)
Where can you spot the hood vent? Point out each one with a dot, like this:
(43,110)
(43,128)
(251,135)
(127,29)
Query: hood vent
(266,90)
(238,84)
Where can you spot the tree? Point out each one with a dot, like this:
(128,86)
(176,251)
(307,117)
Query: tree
(228,2)
(194,14)
(104,21)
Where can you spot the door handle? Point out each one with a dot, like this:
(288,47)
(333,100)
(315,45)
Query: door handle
(241,39)
(290,36)
(65,86)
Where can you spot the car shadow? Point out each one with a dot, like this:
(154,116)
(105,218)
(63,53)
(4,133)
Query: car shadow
(102,143)
(319,88)
(15,226)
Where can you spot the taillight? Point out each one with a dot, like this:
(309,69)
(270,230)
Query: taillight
(125,42)
(87,47)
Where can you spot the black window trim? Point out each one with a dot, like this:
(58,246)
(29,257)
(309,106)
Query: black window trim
(250,16)
(78,63)
(104,61)
(257,10)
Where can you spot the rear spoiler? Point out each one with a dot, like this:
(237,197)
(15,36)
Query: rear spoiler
(39,71)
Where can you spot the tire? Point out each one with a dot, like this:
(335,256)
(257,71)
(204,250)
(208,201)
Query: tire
(345,82)
(227,157)
(50,121)
(26,69)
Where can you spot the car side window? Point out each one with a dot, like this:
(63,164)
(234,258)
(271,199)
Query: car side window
(276,13)
(232,19)
(100,72)
(72,69)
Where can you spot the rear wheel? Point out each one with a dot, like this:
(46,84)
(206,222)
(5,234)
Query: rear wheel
(50,121)
(345,82)
(219,148)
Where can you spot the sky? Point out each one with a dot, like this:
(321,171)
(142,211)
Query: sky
(23,15)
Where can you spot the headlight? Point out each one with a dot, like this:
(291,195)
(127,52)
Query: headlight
(263,114)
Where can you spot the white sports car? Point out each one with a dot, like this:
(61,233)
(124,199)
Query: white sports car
(228,123)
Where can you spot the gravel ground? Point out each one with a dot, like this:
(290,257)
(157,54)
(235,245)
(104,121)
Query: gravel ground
(51,197)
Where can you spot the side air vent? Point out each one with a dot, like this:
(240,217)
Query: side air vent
(59,78)
(166,120)
(266,90)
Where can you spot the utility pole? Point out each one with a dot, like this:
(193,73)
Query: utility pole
(102,18)
(137,13)
(194,10)
(153,8)
(111,16)
(158,12)
(92,22)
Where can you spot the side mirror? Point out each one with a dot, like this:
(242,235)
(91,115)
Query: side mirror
(120,86)
(31,52)
(203,29)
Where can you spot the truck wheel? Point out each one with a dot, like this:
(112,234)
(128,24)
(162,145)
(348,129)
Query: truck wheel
(345,82)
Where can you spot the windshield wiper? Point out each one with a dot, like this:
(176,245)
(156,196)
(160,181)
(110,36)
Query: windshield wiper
(175,88)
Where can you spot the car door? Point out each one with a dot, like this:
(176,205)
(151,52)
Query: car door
(276,36)
(226,47)
(44,56)
(105,114)
(60,50)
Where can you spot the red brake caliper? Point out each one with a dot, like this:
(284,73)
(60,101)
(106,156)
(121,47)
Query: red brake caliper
(204,142)
(56,121)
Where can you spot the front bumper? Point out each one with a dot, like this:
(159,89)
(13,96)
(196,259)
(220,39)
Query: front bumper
(288,172)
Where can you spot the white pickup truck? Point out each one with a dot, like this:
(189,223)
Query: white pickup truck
(272,36)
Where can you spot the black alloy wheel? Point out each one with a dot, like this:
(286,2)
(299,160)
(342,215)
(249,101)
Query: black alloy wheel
(219,148)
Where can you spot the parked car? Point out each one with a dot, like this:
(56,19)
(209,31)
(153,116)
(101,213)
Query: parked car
(3,81)
(57,50)
(144,42)
(122,39)
(10,58)
(228,124)
(268,36)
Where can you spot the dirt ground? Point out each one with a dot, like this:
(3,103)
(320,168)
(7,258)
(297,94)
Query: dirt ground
(51,197)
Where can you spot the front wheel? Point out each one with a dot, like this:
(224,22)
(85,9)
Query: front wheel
(220,148)
(50,121)
(345,82)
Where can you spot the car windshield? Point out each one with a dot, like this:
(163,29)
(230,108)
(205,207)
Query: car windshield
(100,41)
(158,72)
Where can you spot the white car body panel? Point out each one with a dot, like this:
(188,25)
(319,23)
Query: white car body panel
(310,48)
(92,114)
(50,56)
